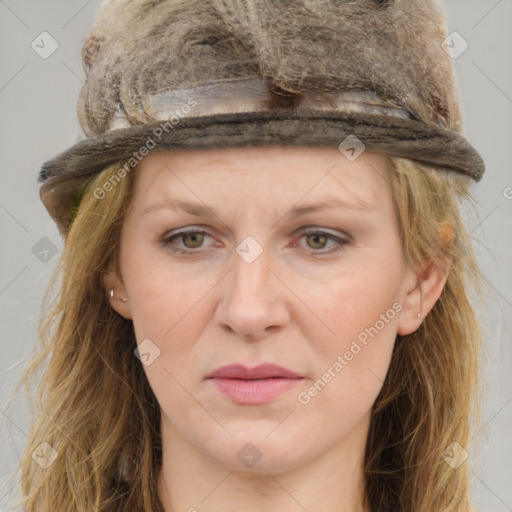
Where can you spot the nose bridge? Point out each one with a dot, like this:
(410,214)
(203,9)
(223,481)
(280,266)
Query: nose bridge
(252,301)
(251,277)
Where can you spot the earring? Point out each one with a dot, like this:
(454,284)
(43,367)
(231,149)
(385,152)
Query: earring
(112,296)
(419,316)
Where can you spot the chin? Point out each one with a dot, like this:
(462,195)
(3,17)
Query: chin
(253,450)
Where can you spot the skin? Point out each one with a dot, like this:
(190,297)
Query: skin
(299,304)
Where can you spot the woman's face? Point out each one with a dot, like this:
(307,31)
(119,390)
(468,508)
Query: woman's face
(292,258)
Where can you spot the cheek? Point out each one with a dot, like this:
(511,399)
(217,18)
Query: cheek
(359,312)
(173,321)
(162,296)
(362,301)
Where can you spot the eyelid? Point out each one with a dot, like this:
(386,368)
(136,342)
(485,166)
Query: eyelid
(326,231)
(305,229)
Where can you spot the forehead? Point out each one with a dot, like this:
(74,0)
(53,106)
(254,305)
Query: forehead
(282,172)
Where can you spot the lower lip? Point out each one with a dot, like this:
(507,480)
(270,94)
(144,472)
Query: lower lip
(257,391)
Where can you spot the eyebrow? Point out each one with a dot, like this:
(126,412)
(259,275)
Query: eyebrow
(199,209)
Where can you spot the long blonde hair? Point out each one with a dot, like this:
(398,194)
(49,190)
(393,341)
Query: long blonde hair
(98,412)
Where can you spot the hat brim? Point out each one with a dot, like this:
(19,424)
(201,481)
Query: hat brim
(62,176)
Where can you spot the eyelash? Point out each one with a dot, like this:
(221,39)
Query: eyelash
(167,241)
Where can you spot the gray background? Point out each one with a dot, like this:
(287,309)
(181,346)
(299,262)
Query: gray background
(38,120)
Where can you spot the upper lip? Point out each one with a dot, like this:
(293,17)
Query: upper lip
(262,371)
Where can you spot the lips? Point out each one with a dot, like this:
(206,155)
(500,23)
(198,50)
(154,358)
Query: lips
(263,371)
(258,385)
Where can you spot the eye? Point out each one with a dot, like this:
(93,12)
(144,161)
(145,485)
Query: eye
(317,239)
(194,238)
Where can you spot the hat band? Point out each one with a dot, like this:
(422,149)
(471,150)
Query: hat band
(249,95)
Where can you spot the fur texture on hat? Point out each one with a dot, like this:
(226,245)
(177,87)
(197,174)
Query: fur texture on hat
(142,47)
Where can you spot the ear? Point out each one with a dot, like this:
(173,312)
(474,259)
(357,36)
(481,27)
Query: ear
(112,283)
(423,292)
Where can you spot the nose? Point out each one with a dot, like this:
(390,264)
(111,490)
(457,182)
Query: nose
(254,301)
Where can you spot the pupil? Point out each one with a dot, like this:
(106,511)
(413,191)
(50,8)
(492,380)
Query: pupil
(193,236)
(317,236)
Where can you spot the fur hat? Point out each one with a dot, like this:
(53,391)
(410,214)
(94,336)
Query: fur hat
(171,74)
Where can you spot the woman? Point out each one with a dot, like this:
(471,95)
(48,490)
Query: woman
(264,282)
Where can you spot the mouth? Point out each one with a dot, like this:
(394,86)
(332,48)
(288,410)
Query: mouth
(258,385)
